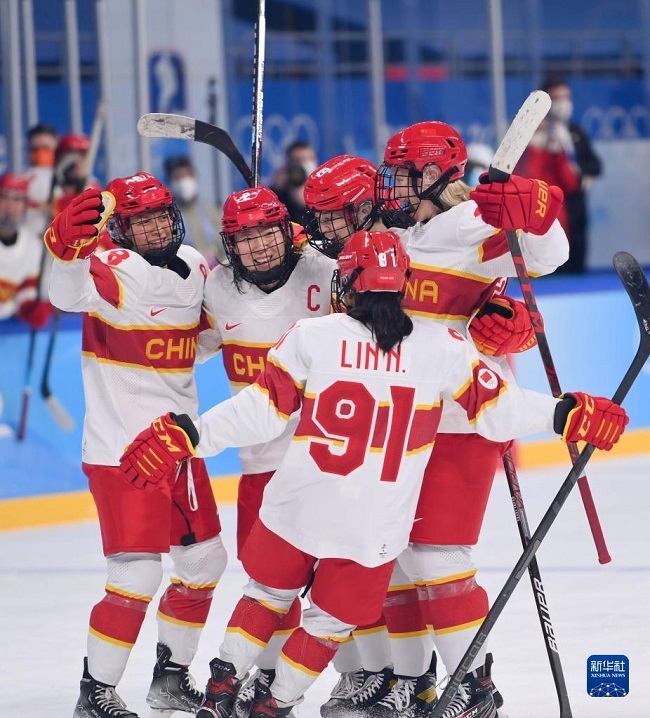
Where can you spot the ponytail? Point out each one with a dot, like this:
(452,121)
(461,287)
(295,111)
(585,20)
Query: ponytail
(382,313)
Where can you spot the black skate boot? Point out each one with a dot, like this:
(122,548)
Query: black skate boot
(266,706)
(172,688)
(498,698)
(474,697)
(246,695)
(364,691)
(221,691)
(409,697)
(347,684)
(98,700)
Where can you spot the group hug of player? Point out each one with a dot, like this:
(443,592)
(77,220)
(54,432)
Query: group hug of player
(370,434)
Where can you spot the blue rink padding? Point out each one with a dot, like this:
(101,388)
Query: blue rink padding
(593,335)
(48,460)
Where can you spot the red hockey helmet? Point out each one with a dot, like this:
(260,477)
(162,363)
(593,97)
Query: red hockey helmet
(245,214)
(370,262)
(413,149)
(13,191)
(340,199)
(427,143)
(136,197)
(72,143)
(14,185)
(255,207)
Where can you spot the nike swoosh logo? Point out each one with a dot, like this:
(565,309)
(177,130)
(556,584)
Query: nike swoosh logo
(153,311)
(231,326)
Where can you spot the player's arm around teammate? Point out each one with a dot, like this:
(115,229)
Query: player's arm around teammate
(339,371)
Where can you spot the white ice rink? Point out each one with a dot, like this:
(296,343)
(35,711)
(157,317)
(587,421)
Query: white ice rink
(52,577)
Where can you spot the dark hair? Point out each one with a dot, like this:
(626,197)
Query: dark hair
(176,162)
(297,145)
(553,81)
(42,128)
(382,313)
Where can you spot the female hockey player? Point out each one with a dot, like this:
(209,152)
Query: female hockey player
(368,385)
(142,318)
(499,325)
(272,279)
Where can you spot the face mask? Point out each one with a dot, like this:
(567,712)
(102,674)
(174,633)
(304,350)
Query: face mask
(309,166)
(561,109)
(41,157)
(185,189)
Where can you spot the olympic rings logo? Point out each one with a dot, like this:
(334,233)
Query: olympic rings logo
(278,133)
(616,122)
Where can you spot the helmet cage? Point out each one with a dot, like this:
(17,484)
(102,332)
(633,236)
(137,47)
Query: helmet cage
(120,230)
(279,273)
(400,212)
(319,225)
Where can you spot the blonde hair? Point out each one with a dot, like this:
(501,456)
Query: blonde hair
(454,193)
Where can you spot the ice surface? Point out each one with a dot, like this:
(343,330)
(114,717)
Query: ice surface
(52,577)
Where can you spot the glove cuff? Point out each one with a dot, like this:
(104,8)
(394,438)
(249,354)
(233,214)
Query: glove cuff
(563,408)
(187,425)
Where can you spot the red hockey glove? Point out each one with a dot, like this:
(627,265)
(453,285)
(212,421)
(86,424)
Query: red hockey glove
(156,451)
(73,234)
(35,312)
(594,419)
(519,203)
(501,327)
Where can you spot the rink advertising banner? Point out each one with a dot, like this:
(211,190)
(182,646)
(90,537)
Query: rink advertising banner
(593,336)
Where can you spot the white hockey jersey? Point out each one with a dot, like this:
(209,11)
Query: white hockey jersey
(457,263)
(19,269)
(139,342)
(348,485)
(248,324)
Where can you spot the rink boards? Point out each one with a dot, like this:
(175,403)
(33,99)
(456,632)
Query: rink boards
(592,335)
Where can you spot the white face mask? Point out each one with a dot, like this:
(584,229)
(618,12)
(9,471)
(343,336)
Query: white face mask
(561,109)
(185,189)
(309,166)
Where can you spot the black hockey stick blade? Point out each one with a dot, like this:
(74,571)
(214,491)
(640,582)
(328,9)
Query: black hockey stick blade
(636,286)
(161,124)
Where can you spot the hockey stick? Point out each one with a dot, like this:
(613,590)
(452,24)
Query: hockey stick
(538,588)
(31,353)
(56,409)
(500,171)
(636,285)
(258,93)
(159,124)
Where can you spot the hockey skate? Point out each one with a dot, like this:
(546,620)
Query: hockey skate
(409,697)
(266,706)
(246,695)
(357,691)
(474,697)
(98,700)
(498,698)
(221,691)
(172,688)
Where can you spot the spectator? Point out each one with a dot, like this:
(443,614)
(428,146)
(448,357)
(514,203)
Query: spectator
(20,257)
(42,140)
(560,153)
(202,220)
(289,180)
